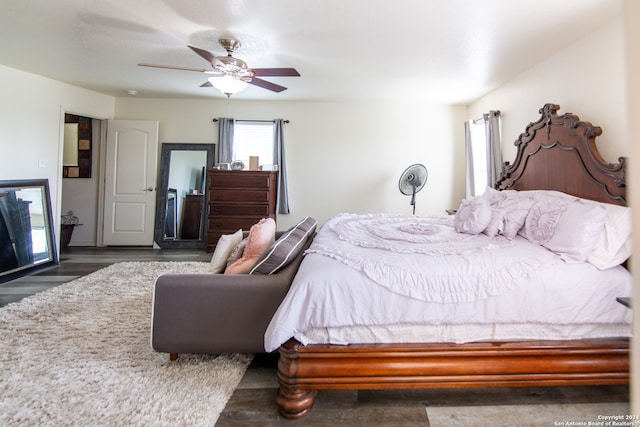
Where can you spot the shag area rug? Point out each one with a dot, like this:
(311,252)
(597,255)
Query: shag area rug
(79,355)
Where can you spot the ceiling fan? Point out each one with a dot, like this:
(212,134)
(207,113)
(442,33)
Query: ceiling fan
(231,75)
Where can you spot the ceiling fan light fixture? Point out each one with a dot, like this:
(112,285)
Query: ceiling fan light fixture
(228,84)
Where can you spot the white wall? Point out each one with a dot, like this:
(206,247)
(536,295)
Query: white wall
(31,126)
(632,32)
(587,79)
(342,157)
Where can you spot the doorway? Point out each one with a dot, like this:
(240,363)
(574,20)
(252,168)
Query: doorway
(80,191)
(86,196)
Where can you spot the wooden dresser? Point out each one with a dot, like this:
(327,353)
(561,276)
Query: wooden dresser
(239,199)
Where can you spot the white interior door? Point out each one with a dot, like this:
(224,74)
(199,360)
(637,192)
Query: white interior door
(130,182)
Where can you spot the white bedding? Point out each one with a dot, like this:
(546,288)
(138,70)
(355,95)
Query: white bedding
(470,288)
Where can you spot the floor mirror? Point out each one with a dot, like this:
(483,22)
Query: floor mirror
(181,216)
(27,240)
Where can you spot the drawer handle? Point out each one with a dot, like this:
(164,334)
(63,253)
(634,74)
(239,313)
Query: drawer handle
(218,210)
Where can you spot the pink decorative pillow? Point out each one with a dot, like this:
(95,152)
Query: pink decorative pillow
(261,237)
(473,216)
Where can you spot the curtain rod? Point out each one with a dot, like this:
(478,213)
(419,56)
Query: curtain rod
(265,121)
(476,121)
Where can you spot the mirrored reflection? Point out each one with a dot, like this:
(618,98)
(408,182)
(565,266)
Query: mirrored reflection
(185,195)
(26,228)
(181,216)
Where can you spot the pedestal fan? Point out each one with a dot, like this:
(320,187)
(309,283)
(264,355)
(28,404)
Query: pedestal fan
(412,180)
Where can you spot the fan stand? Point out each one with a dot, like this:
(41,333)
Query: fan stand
(413,199)
(412,180)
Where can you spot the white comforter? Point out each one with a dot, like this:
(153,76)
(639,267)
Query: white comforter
(378,275)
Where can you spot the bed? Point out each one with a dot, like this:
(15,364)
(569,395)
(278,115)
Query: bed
(542,316)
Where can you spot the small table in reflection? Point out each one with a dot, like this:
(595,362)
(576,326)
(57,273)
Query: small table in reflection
(192,216)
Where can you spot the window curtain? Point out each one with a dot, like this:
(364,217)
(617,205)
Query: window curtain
(225,140)
(494,146)
(468,149)
(279,160)
(483,148)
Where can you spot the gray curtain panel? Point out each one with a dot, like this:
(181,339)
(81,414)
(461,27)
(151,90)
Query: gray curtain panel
(225,140)
(470,181)
(279,159)
(494,147)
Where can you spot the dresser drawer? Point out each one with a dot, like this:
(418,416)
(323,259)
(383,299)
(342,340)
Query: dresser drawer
(230,225)
(258,196)
(220,209)
(241,180)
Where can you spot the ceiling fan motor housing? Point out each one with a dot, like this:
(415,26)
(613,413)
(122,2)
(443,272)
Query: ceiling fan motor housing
(230,45)
(234,66)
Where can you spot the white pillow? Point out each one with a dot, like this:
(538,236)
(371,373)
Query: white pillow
(515,208)
(493,196)
(223,249)
(614,245)
(548,195)
(572,230)
(542,220)
(496,224)
(473,216)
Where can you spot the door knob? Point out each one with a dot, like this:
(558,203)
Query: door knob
(148,189)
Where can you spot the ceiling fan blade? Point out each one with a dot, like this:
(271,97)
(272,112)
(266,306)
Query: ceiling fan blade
(172,67)
(267,85)
(208,56)
(275,72)
(206,84)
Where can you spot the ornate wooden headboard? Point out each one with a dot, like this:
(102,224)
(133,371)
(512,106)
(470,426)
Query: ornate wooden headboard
(560,153)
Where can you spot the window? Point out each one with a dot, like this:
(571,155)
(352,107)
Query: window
(253,138)
(484,153)
(479,156)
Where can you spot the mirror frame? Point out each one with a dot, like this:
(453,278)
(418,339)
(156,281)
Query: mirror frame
(52,260)
(161,201)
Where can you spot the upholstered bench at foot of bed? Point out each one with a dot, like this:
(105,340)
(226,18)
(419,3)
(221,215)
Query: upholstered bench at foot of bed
(217,313)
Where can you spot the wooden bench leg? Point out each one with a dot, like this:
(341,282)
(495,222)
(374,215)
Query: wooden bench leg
(173,356)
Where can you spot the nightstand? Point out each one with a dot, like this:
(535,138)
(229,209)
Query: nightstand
(624,301)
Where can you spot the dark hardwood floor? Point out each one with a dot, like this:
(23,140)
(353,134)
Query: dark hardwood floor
(79,261)
(253,402)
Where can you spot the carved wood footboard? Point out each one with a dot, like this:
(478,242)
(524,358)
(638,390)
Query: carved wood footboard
(302,370)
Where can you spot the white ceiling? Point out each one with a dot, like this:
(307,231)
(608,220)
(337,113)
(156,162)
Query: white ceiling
(446,51)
